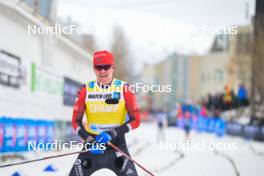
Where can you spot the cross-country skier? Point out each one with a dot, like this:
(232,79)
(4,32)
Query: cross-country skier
(106,121)
(161,118)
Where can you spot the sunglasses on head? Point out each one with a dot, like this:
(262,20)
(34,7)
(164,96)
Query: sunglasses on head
(102,67)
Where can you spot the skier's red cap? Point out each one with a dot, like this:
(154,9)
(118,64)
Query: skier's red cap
(103,58)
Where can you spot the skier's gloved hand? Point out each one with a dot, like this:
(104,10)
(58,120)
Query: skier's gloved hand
(94,147)
(106,136)
(96,150)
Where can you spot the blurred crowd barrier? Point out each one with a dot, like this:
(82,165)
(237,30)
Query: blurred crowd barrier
(16,134)
(251,132)
(203,124)
(221,127)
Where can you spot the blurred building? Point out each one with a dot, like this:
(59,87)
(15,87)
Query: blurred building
(208,74)
(190,77)
(39,73)
(227,64)
(257,81)
(240,59)
(45,8)
(147,77)
(46,11)
(173,71)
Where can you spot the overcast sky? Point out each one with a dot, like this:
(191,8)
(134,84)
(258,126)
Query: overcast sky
(156,28)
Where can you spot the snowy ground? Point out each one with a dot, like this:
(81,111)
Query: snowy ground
(246,158)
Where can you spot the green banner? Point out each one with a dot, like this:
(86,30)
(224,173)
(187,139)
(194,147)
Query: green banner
(45,81)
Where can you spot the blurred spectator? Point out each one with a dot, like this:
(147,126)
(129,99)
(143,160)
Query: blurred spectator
(242,95)
(161,117)
(218,101)
(209,101)
(227,98)
(235,100)
(203,111)
(187,122)
(179,111)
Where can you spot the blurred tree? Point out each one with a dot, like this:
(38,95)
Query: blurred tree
(121,53)
(36,7)
(89,43)
(257,104)
(220,43)
(86,41)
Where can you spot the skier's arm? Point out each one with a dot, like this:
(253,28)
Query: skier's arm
(132,110)
(77,116)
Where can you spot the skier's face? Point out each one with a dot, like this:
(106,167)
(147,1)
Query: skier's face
(104,73)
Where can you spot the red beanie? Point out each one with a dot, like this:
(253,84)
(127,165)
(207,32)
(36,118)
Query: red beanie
(103,58)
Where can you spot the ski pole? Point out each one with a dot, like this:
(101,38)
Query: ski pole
(128,157)
(40,159)
(72,153)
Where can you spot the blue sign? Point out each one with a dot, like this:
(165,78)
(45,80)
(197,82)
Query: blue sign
(17,134)
(220,127)
(21,135)
(1,135)
(9,135)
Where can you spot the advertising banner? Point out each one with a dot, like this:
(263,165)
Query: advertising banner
(250,131)
(260,135)
(32,132)
(70,91)
(18,135)
(1,134)
(234,129)
(9,135)
(21,134)
(11,71)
